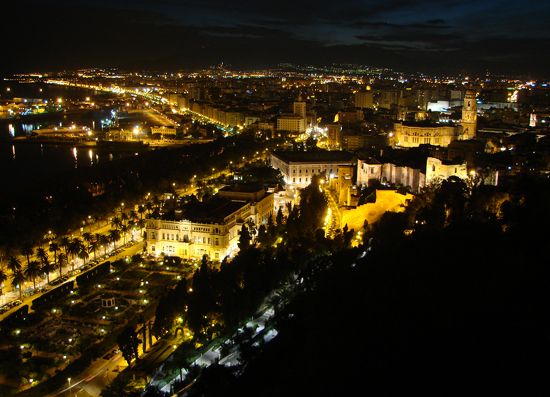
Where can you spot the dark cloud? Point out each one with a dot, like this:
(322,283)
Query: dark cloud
(444,35)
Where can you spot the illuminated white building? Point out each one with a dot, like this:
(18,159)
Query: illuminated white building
(440,170)
(299,167)
(209,228)
(371,170)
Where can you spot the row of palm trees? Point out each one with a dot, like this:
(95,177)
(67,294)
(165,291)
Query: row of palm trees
(66,249)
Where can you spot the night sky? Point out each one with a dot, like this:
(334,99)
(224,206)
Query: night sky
(423,35)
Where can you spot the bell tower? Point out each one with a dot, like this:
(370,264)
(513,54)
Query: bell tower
(469,115)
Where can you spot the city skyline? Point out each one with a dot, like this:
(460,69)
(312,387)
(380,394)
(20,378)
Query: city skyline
(427,36)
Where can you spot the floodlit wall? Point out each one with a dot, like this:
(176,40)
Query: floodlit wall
(386,200)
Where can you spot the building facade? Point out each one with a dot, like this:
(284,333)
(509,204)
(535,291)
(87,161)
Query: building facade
(440,170)
(413,134)
(292,123)
(215,234)
(364,100)
(469,115)
(299,167)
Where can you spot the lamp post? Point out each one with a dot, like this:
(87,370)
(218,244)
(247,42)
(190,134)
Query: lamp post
(69,380)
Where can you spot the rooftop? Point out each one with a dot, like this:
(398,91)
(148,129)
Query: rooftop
(425,123)
(215,210)
(243,187)
(318,156)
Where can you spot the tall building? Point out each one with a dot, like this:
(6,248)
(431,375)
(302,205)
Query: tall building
(299,108)
(364,100)
(292,123)
(469,115)
(334,134)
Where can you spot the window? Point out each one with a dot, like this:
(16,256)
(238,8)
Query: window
(216,242)
(293,179)
(163,237)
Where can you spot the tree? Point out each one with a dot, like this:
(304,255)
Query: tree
(104,242)
(27,251)
(124,230)
(116,222)
(54,248)
(61,261)
(128,343)
(88,237)
(17,280)
(279,218)
(141,211)
(74,249)
(33,271)
(262,235)
(65,242)
(47,268)
(244,238)
(114,236)
(94,245)
(3,278)
(83,254)
(14,265)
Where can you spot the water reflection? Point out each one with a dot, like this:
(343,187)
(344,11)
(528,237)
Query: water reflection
(27,128)
(11,130)
(75,155)
(13,152)
(91,156)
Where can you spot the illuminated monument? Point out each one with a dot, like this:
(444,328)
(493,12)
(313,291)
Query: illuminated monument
(469,115)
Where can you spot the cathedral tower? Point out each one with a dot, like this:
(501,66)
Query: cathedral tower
(469,115)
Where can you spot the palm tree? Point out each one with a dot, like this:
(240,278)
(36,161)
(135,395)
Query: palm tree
(104,242)
(114,236)
(124,229)
(61,261)
(141,210)
(14,265)
(54,248)
(42,256)
(83,254)
(88,237)
(74,248)
(123,218)
(17,280)
(94,245)
(27,251)
(3,278)
(33,271)
(47,268)
(116,222)
(65,242)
